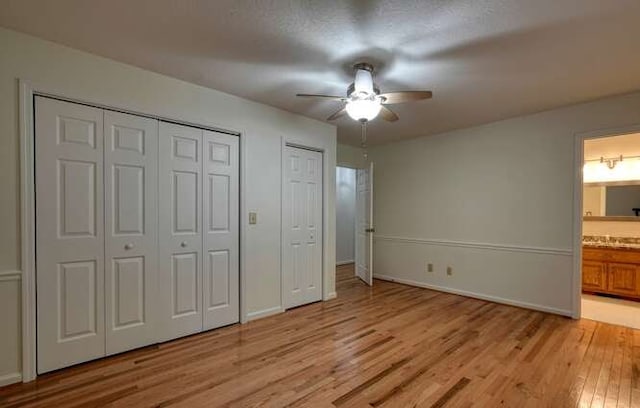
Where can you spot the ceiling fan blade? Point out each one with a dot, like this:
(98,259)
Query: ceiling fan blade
(338,114)
(405,96)
(337,98)
(387,114)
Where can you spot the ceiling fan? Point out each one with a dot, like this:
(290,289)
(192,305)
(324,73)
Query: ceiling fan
(364,101)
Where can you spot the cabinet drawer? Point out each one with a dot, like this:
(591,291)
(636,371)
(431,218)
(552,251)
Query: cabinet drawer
(594,276)
(611,255)
(623,279)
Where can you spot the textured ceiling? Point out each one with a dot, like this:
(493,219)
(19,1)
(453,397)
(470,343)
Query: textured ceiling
(484,59)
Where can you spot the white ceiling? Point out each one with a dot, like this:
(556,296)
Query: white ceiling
(484,59)
(614,146)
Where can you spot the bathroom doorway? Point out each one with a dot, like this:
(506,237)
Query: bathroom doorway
(610,256)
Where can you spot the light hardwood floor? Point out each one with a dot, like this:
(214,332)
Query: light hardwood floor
(390,345)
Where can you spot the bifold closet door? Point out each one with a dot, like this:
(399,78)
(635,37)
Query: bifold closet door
(302,226)
(69,233)
(137,231)
(131,167)
(221,230)
(180,231)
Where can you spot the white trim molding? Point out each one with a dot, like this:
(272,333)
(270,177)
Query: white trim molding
(10,275)
(477,245)
(264,313)
(27,231)
(475,295)
(340,263)
(10,378)
(331,295)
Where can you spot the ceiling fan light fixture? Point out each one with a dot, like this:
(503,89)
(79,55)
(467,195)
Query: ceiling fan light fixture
(363,109)
(363,84)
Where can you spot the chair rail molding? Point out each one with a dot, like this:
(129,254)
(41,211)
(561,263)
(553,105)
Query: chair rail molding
(477,245)
(10,274)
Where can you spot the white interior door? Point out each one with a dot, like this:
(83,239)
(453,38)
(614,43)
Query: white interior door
(69,233)
(364,224)
(302,226)
(220,272)
(180,231)
(131,167)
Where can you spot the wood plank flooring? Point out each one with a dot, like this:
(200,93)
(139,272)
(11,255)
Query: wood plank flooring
(388,346)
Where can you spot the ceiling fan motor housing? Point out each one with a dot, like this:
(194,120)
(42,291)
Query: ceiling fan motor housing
(352,88)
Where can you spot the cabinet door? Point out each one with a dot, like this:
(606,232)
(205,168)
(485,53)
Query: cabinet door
(624,279)
(69,233)
(594,276)
(130,161)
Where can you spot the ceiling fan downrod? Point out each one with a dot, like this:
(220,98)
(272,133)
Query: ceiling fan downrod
(363,138)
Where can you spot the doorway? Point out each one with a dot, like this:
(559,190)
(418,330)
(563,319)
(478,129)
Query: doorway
(345,215)
(302,232)
(354,226)
(112,188)
(345,226)
(610,221)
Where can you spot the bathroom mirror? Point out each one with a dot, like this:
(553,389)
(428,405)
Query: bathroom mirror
(611,201)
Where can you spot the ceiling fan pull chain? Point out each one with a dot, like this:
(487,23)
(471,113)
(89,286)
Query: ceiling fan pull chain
(363,140)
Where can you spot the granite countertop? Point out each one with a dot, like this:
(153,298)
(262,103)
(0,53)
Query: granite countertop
(605,241)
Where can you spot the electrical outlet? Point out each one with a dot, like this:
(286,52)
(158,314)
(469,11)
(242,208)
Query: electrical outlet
(253,218)
(429,267)
(449,270)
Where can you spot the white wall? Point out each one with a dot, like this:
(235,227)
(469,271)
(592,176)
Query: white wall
(594,199)
(71,73)
(350,156)
(494,202)
(345,214)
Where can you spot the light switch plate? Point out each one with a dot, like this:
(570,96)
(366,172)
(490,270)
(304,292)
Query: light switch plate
(253,218)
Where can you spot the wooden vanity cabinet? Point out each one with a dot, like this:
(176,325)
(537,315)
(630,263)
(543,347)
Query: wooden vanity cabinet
(611,271)
(594,276)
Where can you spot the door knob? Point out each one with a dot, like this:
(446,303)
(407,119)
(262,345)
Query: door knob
(128,246)
(183,244)
(370,230)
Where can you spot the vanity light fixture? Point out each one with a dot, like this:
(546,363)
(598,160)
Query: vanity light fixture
(616,168)
(611,162)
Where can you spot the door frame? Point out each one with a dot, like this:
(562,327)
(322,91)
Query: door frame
(27,91)
(328,267)
(578,159)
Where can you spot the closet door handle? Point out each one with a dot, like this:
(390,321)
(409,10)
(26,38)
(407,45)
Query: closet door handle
(128,246)
(183,244)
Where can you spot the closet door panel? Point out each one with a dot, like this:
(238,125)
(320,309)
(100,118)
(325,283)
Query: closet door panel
(180,240)
(221,230)
(69,233)
(302,226)
(131,163)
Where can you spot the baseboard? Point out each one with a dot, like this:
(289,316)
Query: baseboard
(264,313)
(331,295)
(345,262)
(10,379)
(474,295)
